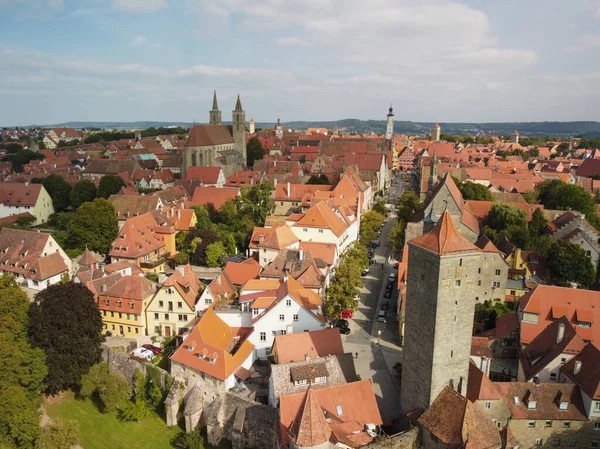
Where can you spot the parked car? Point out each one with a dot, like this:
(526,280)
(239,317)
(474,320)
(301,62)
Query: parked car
(382,316)
(340,323)
(389,287)
(396,265)
(388,294)
(155,349)
(344,330)
(347,313)
(365,271)
(143,353)
(385,306)
(375,243)
(392,277)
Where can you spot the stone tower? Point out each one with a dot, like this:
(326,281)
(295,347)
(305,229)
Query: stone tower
(214,113)
(251,126)
(440,304)
(238,121)
(279,130)
(310,428)
(433,171)
(389,129)
(515,137)
(435,132)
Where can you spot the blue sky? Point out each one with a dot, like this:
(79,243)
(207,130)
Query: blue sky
(127,60)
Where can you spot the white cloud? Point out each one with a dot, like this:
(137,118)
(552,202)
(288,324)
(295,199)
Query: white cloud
(139,5)
(293,41)
(137,41)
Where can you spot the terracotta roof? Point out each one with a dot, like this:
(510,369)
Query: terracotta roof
(46,267)
(242,272)
(187,284)
(480,347)
(126,295)
(128,206)
(458,423)
(88,258)
(543,297)
(212,348)
(297,264)
(261,285)
(117,266)
(295,347)
(546,347)
(278,237)
(137,237)
(297,192)
(173,195)
(212,195)
(589,166)
(355,400)
(206,135)
(263,302)
(486,245)
(19,194)
(444,239)
(112,167)
(322,216)
(506,324)
(323,251)
(206,175)
(546,395)
(588,377)
(309,427)
(221,286)
(480,387)
(98,286)
(20,249)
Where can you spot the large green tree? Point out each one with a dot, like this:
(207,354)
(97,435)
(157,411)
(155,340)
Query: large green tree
(369,224)
(346,282)
(110,185)
(94,226)
(408,205)
(254,150)
(509,221)
(214,253)
(473,191)
(568,264)
(321,179)
(66,324)
(82,192)
(109,388)
(59,435)
(59,190)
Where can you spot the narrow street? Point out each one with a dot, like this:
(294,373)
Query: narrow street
(375,342)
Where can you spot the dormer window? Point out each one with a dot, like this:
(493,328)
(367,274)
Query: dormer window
(532,405)
(563,405)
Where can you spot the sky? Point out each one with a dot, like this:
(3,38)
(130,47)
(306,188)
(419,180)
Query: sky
(434,60)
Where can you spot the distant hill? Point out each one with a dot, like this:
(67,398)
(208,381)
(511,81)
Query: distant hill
(587,129)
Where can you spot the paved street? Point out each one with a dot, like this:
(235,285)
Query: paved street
(376,359)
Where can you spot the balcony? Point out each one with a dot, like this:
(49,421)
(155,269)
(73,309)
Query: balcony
(149,264)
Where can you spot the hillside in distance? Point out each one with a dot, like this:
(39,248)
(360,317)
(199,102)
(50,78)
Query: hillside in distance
(585,128)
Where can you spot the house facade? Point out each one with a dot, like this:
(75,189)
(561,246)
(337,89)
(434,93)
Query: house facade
(19,198)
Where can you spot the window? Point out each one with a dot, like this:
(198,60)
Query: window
(263,336)
(273,333)
(531,405)
(538,441)
(281,317)
(597,426)
(300,382)
(446,283)
(207,300)
(531,424)
(112,314)
(460,263)
(567,424)
(479,283)
(496,284)
(295,317)
(129,329)
(457,283)
(553,377)
(563,360)
(157,329)
(320,231)
(497,272)
(563,405)
(305,229)
(288,303)
(548,424)
(594,444)
(488,405)
(597,406)
(478,270)
(572,443)
(137,330)
(166,316)
(161,304)
(320,380)
(128,317)
(104,312)
(555,442)
(179,305)
(254,311)
(283,332)
(120,315)
(584,324)
(338,410)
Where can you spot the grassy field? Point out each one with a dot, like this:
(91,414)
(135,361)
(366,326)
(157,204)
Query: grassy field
(105,431)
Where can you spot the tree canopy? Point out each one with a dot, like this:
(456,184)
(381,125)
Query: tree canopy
(369,225)
(569,263)
(110,185)
(59,190)
(109,388)
(559,195)
(473,191)
(408,205)
(321,179)
(66,324)
(94,226)
(254,150)
(82,192)
(346,282)
(20,158)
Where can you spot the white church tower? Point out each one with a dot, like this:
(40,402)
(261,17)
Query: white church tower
(389,130)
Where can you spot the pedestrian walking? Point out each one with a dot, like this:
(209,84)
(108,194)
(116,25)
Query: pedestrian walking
(356,356)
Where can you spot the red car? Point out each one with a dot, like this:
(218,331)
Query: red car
(346,313)
(396,265)
(155,349)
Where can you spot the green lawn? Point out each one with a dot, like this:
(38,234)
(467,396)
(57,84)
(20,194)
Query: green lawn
(105,431)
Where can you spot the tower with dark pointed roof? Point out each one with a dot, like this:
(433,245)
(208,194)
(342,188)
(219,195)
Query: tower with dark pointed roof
(238,121)
(310,428)
(515,137)
(440,304)
(389,129)
(214,113)
(435,132)
(279,130)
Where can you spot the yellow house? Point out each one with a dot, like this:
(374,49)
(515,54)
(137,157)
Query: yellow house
(173,305)
(123,304)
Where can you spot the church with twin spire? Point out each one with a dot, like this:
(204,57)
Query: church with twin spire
(216,144)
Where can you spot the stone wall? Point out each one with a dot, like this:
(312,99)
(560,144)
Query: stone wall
(120,362)
(407,440)
(580,434)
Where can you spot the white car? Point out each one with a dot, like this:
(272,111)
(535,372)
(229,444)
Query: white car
(143,353)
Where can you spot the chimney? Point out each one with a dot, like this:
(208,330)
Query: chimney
(26,184)
(301,255)
(577,367)
(306,357)
(561,333)
(179,214)
(261,239)
(219,279)
(275,182)
(288,190)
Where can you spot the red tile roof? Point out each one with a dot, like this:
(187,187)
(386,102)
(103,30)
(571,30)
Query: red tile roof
(205,135)
(480,387)
(212,195)
(588,377)
(187,284)
(323,251)
(126,295)
(19,194)
(309,427)
(137,237)
(20,249)
(278,237)
(295,347)
(212,348)
(206,175)
(543,298)
(46,267)
(242,272)
(444,239)
(322,216)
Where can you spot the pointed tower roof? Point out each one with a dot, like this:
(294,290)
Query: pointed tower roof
(436,125)
(238,105)
(391,113)
(87,258)
(445,239)
(215,105)
(431,217)
(310,427)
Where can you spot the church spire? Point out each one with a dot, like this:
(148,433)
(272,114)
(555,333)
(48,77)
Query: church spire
(215,105)
(238,105)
